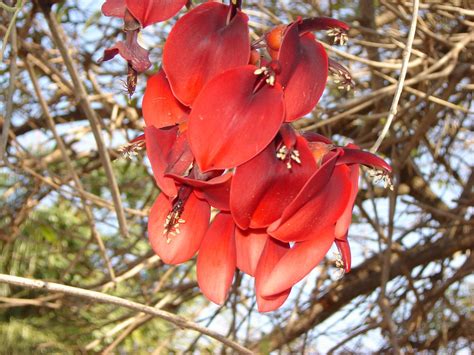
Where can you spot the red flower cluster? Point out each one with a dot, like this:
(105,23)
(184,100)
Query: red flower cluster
(221,146)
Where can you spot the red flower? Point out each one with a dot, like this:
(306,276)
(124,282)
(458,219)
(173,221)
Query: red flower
(160,107)
(304,62)
(217,259)
(147,12)
(180,215)
(137,14)
(318,216)
(264,186)
(205,42)
(240,113)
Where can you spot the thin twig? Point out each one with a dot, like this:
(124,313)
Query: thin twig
(81,97)
(11,84)
(67,160)
(401,79)
(180,322)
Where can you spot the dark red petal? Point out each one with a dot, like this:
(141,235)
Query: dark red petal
(180,157)
(131,51)
(357,156)
(217,259)
(160,107)
(249,245)
(318,206)
(322,23)
(238,122)
(152,11)
(271,255)
(159,143)
(297,262)
(316,137)
(202,45)
(184,245)
(343,223)
(115,8)
(264,186)
(345,251)
(215,191)
(304,66)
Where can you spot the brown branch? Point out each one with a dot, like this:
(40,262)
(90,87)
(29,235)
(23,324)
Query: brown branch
(178,321)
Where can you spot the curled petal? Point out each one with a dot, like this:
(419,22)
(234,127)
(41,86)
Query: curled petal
(169,154)
(131,51)
(318,205)
(249,245)
(159,143)
(160,107)
(203,44)
(180,156)
(321,23)
(264,186)
(229,109)
(115,8)
(343,223)
(316,137)
(149,12)
(177,247)
(345,251)
(304,66)
(296,263)
(357,156)
(217,259)
(215,191)
(271,255)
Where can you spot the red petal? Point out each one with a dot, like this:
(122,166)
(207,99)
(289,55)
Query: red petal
(264,186)
(131,51)
(249,245)
(304,66)
(271,255)
(217,259)
(180,157)
(115,8)
(345,251)
(316,137)
(160,107)
(296,263)
(201,45)
(318,206)
(343,223)
(169,153)
(159,143)
(215,191)
(357,156)
(240,123)
(184,245)
(152,11)
(322,23)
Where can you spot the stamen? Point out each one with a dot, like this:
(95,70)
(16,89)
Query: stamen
(288,156)
(342,76)
(173,221)
(269,74)
(381,175)
(131,149)
(340,36)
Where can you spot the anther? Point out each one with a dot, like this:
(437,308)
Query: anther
(288,156)
(131,149)
(340,36)
(171,227)
(383,176)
